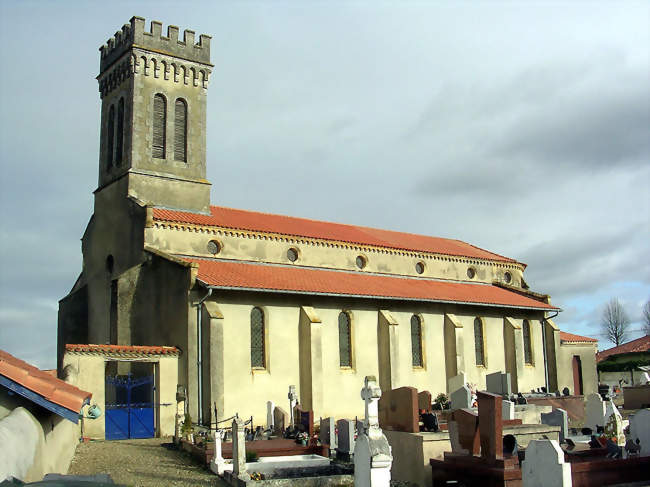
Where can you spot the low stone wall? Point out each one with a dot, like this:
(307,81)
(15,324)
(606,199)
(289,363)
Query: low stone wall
(32,448)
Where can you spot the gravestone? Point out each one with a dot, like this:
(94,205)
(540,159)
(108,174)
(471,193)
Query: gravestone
(456,382)
(328,432)
(498,383)
(468,431)
(454,438)
(398,410)
(508,410)
(217,463)
(270,407)
(424,401)
(372,453)
(613,422)
(640,429)
(461,398)
(293,400)
(239,449)
(594,411)
(490,417)
(280,420)
(557,417)
(345,440)
(544,465)
(304,420)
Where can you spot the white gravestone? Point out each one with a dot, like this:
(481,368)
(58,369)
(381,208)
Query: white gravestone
(239,449)
(640,429)
(456,382)
(345,439)
(218,462)
(461,398)
(613,423)
(544,465)
(557,417)
(270,408)
(372,453)
(594,411)
(508,410)
(328,432)
(293,400)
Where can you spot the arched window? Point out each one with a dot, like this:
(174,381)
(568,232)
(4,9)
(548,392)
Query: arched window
(345,340)
(257,339)
(416,341)
(180,130)
(110,135)
(120,132)
(479,346)
(159,126)
(528,350)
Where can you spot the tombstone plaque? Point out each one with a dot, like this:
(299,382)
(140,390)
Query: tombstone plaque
(498,383)
(280,420)
(490,416)
(424,401)
(346,428)
(456,382)
(328,432)
(270,407)
(508,409)
(594,411)
(398,410)
(640,430)
(461,398)
(557,417)
(544,465)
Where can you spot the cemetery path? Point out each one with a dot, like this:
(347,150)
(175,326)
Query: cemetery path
(151,462)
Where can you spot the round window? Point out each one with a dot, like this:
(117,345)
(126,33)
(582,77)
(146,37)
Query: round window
(471,273)
(214,247)
(507,277)
(419,267)
(361,261)
(292,254)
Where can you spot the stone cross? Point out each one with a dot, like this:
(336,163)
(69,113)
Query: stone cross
(293,400)
(217,462)
(371,393)
(270,406)
(239,449)
(544,465)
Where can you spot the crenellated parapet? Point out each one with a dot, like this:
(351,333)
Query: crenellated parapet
(133,35)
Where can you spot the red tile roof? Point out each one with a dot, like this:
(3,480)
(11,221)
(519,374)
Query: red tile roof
(123,349)
(341,283)
(302,227)
(42,383)
(635,346)
(571,338)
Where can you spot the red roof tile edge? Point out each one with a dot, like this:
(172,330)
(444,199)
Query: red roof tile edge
(638,345)
(123,349)
(275,278)
(42,383)
(304,227)
(571,338)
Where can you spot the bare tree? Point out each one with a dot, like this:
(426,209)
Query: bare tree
(615,322)
(646,317)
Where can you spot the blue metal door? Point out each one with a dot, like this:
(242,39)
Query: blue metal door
(129,407)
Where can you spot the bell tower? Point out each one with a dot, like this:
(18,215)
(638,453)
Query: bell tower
(153,116)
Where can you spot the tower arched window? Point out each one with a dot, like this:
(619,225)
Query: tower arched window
(180,130)
(110,136)
(159,126)
(345,340)
(258,349)
(528,349)
(479,345)
(119,146)
(416,341)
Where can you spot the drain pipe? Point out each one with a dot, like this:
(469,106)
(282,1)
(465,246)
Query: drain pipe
(544,349)
(199,355)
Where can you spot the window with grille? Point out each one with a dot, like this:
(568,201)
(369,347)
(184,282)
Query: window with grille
(416,341)
(159,126)
(345,341)
(110,135)
(120,132)
(180,130)
(528,351)
(257,338)
(479,346)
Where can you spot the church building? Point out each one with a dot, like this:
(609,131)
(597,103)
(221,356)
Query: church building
(248,303)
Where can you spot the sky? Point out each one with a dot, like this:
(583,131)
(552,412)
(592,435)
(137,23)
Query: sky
(520,127)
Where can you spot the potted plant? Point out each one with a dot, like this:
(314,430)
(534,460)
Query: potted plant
(302,438)
(441,402)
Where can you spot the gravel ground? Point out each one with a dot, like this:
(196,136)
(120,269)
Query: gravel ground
(151,462)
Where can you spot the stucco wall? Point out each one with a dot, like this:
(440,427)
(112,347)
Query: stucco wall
(32,448)
(587,353)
